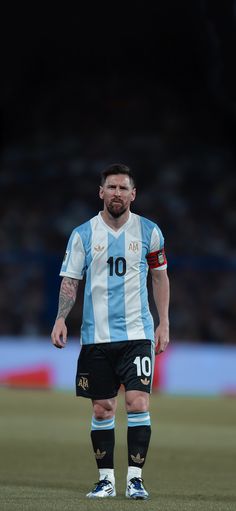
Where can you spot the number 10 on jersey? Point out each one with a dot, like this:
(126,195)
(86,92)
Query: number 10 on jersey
(117,266)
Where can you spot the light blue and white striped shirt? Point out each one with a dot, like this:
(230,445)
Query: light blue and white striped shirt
(116,304)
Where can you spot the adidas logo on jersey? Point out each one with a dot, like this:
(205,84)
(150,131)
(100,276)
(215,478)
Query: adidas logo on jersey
(98,248)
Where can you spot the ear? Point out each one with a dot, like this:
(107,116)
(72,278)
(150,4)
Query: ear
(133,194)
(101,193)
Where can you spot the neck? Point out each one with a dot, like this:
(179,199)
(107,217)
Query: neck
(115,223)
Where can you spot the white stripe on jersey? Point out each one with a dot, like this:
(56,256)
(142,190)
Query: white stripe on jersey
(99,282)
(134,324)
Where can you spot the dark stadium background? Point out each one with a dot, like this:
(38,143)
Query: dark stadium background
(82,86)
(153,87)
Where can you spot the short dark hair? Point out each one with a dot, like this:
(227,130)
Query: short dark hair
(117,168)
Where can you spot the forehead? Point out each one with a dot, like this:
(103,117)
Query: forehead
(118,180)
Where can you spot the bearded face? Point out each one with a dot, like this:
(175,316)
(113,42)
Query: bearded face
(117,194)
(116,208)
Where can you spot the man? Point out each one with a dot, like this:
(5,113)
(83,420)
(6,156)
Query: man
(114,250)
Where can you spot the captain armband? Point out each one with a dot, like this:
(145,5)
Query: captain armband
(157,259)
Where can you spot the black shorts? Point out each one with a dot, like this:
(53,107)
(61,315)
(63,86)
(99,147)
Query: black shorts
(103,368)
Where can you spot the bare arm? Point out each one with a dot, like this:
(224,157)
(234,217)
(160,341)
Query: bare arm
(161,295)
(67,297)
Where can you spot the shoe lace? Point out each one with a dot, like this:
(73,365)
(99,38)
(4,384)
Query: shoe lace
(137,482)
(99,485)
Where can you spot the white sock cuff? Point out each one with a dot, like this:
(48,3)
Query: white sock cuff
(133,472)
(107,473)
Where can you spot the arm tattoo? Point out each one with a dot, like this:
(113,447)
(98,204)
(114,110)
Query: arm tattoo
(67,296)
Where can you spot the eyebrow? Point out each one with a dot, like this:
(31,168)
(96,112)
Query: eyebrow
(110,185)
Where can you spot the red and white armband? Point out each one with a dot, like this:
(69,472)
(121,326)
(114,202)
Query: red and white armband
(157,259)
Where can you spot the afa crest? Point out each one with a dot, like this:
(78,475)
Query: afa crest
(134,246)
(83,382)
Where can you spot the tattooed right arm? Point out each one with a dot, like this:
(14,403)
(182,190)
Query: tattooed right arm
(67,296)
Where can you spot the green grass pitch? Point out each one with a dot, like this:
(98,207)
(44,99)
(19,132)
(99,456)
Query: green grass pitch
(47,464)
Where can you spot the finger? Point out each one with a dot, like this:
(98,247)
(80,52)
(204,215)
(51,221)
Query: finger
(158,347)
(162,347)
(58,343)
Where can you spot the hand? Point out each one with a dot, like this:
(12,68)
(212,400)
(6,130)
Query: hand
(161,338)
(59,333)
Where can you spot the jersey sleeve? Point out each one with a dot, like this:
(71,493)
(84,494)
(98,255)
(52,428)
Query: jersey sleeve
(156,258)
(74,260)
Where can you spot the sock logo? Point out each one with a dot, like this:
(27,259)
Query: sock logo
(137,458)
(145,381)
(99,455)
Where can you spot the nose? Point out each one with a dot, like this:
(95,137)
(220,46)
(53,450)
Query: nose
(117,190)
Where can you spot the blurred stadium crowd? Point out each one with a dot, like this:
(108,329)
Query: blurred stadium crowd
(164,104)
(190,194)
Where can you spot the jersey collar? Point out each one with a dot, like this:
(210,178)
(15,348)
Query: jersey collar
(113,231)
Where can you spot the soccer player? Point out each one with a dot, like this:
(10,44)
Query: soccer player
(115,250)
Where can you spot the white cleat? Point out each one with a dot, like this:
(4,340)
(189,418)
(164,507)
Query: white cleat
(102,489)
(135,489)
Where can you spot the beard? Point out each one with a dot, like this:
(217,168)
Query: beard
(116,209)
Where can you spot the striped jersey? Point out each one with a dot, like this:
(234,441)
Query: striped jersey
(115,264)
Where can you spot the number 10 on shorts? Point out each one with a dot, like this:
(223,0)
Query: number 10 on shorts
(143,366)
